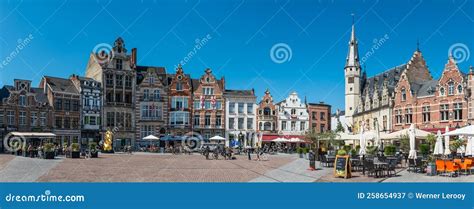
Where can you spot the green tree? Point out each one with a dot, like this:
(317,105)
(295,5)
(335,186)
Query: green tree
(405,143)
(339,127)
(431,140)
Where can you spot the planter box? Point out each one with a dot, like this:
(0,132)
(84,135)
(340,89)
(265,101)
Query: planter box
(49,155)
(75,155)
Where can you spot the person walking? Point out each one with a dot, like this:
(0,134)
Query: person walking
(248,153)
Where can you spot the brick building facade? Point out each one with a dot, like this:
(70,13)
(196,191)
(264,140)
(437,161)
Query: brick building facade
(208,105)
(428,103)
(319,117)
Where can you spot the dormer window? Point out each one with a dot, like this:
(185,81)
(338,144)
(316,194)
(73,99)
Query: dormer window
(404,95)
(22,100)
(459,89)
(179,86)
(118,64)
(442,91)
(451,88)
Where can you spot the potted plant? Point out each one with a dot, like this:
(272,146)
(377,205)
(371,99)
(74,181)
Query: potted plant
(75,150)
(431,166)
(341,152)
(353,152)
(93,150)
(371,150)
(48,149)
(424,149)
(389,150)
(300,151)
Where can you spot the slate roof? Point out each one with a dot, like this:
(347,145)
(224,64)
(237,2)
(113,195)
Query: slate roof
(392,75)
(61,85)
(427,89)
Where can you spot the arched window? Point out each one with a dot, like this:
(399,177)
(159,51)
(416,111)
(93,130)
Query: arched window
(293,111)
(266,111)
(442,91)
(459,89)
(451,88)
(404,94)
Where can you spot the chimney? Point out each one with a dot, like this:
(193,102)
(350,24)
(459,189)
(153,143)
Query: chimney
(133,61)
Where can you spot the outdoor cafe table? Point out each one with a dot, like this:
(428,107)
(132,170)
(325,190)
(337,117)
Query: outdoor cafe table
(381,166)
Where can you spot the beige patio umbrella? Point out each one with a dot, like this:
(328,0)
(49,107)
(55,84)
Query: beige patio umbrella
(412,135)
(447,151)
(438,149)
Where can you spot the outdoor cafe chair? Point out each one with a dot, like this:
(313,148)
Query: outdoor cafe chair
(466,166)
(451,168)
(440,166)
(392,164)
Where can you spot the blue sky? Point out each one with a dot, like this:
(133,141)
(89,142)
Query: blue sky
(242,36)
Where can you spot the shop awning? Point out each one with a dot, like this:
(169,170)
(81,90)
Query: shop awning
(33,134)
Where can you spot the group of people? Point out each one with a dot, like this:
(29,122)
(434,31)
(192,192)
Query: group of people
(225,152)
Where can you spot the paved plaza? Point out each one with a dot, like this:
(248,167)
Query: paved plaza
(146,167)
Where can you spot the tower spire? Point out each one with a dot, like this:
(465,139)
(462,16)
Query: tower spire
(352,59)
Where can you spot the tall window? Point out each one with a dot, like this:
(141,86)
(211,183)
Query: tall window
(302,126)
(22,100)
(58,104)
(110,119)
(442,91)
(457,111)
(293,125)
(398,116)
(283,126)
(75,105)
(231,107)
(197,119)
(179,86)
(444,112)
(156,94)
(42,118)
(240,123)
(67,104)
(207,120)
(322,115)
(146,130)
(384,123)
(218,105)
(34,119)
(426,114)
(459,89)
(404,95)
(118,64)
(207,105)
(67,122)
(10,117)
(408,116)
(59,122)
(218,121)
(146,94)
(249,123)
(151,111)
(22,121)
(241,108)
(109,80)
(197,105)
(232,123)
(249,108)
(119,80)
(128,81)
(451,88)
(293,111)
